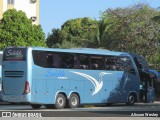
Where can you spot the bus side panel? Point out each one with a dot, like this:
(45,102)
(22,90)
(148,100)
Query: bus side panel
(107,88)
(50,93)
(119,93)
(78,87)
(123,86)
(33,91)
(40,85)
(96,86)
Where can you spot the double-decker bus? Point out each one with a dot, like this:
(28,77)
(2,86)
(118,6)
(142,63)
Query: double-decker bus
(69,77)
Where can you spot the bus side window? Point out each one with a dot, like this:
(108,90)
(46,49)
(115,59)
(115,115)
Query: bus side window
(53,60)
(67,60)
(110,62)
(49,57)
(97,62)
(84,61)
(56,60)
(37,55)
(76,62)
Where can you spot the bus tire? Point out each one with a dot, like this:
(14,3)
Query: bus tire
(60,101)
(73,101)
(36,106)
(131,99)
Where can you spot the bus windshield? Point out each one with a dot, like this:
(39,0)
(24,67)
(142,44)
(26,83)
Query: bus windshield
(14,54)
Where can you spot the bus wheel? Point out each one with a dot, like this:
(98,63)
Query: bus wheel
(73,101)
(36,106)
(60,101)
(131,99)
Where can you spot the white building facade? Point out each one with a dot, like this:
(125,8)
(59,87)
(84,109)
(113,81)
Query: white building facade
(30,7)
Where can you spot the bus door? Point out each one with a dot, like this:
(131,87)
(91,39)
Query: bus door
(146,89)
(147,93)
(151,90)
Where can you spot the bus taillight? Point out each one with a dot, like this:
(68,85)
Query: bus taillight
(27,88)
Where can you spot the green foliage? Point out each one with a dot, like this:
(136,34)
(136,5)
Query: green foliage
(54,38)
(80,32)
(17,30)
(132,29)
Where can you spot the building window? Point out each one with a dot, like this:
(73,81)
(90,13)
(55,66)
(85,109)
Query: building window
(32,1)
(10,2)
(33,19)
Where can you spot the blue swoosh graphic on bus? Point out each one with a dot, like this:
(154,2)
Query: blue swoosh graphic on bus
(97,84)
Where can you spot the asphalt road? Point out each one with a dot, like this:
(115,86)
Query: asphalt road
(118,110)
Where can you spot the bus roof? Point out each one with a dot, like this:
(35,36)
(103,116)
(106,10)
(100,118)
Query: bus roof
(83,50)
(79,50)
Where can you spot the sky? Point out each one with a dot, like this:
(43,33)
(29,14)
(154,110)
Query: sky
(53,13)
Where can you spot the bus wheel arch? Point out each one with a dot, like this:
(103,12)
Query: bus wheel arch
(132,98)
(73,100)
(60,101)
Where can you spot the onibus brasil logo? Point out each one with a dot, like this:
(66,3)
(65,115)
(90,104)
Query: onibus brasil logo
(98,84)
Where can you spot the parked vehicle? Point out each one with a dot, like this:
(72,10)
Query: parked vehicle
(70,77)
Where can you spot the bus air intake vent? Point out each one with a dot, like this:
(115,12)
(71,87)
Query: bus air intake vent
(13,73)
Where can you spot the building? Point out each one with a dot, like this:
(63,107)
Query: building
(30,7)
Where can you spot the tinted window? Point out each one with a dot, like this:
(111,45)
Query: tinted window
(56,60)
(12,54)
(110,62)
(50,59)
(140,62)
(143,63)
(67,60)
(119,63)
(39,58)
(124,63)
(97,62)
(10,2)
(82,61)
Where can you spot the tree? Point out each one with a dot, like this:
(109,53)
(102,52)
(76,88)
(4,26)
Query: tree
(17,30)
(132,29)
(80,32)
(53,39)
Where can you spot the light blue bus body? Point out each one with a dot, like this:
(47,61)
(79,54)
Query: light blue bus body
(24,81)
